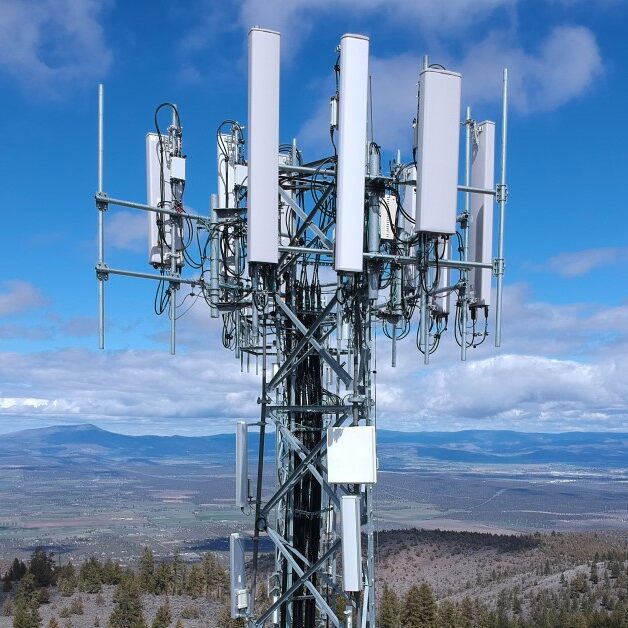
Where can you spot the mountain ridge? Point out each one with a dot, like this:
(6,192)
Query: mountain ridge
(397,450)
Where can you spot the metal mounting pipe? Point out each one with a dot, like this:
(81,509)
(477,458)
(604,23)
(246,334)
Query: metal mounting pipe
(149,208)
(101,211)
(465,225)
(501,199)
(104,269)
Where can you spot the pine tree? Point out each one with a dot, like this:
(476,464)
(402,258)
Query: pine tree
(162,579)
(163,616)
(594,578)
(128,610)
(420,607)
(90,576)
(42,567)
(26,613)
(147,570)
(215,576)
(111,572)
(389,609)
(17,570)
(195,584)
(66,579)
(177,573)
(448,615)
(467,613)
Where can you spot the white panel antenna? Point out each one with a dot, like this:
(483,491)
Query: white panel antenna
(159,194)
(481,210)
(263,171)
(352,110)
(242,464)
(351,455)
(437,144)
(239,592)
(351,543)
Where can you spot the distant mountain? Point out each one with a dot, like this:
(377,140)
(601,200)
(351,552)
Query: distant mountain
(79,444)
(590,449)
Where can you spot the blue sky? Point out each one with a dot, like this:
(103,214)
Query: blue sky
(563,363)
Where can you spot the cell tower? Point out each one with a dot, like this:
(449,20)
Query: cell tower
(305,260)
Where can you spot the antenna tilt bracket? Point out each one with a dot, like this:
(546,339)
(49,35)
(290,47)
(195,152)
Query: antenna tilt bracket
(501,194)
(102,201)
(498,267)
(102,272)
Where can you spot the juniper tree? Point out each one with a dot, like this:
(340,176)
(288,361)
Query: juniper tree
(26,611)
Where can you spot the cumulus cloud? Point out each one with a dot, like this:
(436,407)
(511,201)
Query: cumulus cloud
(19,296)
(555,375)
(295,19)
(511,391)
(578,263)
(47,45)
(564,67)
(201,391)
(127,230)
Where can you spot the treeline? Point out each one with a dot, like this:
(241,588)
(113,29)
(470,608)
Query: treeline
(32,583)
(584,601)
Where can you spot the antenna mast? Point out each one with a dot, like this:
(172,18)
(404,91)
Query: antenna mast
(304,261)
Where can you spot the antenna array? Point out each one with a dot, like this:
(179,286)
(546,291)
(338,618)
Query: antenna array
(304,261)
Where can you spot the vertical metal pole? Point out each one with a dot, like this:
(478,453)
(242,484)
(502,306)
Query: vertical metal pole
(260,461)
(425,336)
(173,271)
(370,609)
(465,225)
(213,281)
(502,212)
(173,296)
(101,216)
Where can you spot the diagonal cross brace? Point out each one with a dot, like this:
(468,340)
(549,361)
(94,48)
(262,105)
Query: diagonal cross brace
(334,364)
(309,218)
(303,216)
(287,365)
(303,580)
(296,474)
(302,453)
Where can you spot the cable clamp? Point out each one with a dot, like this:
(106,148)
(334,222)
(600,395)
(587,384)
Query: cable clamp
(501,194)
(102,201)
(499,266)
(102,272)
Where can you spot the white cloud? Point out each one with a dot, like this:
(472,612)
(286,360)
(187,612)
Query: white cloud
(511,392)
(578,263)
(128,230)
(556,375)
(47,45)
(295,20)
(19,296)
(394,83)
(199,390)
(564,67)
